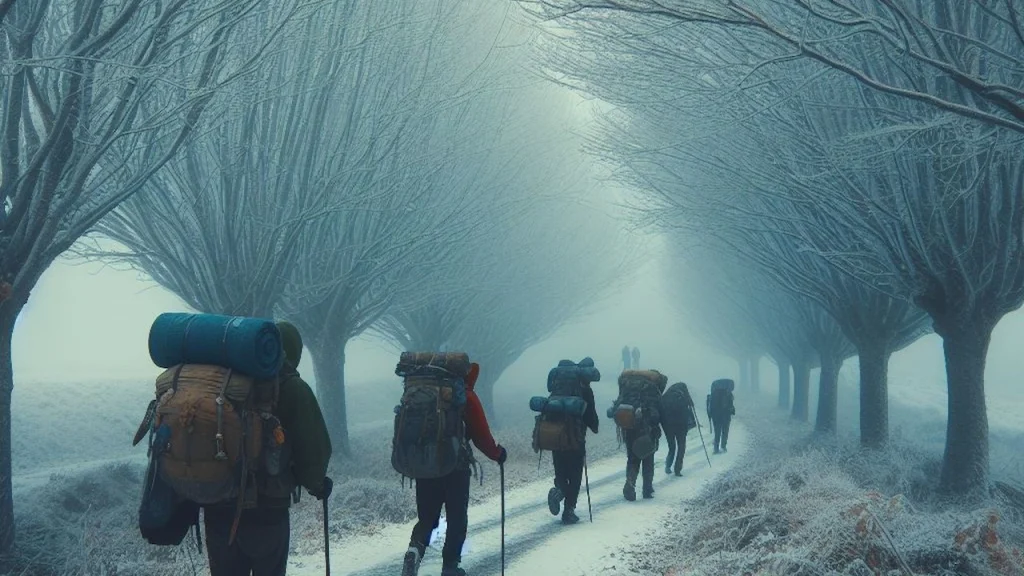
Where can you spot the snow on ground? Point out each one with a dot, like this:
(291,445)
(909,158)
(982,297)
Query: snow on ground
(536,542)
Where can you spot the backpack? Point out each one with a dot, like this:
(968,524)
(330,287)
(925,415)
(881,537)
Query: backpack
(721,391)
(214,439)
(430,432)
(559,426)
(639,390)
(676,408)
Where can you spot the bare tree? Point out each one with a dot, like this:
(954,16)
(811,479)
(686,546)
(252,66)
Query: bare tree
(97,96)
(417,166)
(220,224)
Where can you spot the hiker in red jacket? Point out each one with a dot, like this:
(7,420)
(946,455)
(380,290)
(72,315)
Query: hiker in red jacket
(452,492)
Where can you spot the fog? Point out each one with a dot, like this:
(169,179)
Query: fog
(87,322)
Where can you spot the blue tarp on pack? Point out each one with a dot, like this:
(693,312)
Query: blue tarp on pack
(570,405)
(250,346)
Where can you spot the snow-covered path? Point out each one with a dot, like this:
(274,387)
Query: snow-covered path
(536,542)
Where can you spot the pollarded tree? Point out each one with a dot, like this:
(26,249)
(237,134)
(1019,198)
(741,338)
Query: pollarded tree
(97,96)
(220,225)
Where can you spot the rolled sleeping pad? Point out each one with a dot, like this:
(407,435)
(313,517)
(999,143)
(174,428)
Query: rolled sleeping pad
(588,371)
(250,346)
(589,374)
(560,372)
(456,363)
(570,405)
(537,403)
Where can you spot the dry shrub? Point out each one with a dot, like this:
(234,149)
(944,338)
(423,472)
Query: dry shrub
(821,508)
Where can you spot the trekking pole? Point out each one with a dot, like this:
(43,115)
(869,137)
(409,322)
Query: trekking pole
(586,479)
(501,468)
(701,436)
(327,540)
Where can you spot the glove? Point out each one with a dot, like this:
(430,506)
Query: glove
(502,456)
(325,490)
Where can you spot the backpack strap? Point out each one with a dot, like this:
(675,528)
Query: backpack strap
(221,455)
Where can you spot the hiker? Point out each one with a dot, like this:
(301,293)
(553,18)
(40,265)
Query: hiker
(721,410)
(450,490)
(637,412)
(636,358)
(261,543)
(678,417)
(569,460)
(626,358)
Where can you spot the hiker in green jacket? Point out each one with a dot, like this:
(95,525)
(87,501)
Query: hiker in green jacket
(261,544)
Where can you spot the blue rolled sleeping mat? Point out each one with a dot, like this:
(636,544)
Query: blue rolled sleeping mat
(588,372)
(571,405)
(250,346)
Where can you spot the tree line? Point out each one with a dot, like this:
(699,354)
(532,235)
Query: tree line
(839,178)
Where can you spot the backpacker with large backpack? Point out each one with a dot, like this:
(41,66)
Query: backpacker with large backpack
(718,400)
(213,436)
(635,409)
(677,409)
(430,433)
(559,423)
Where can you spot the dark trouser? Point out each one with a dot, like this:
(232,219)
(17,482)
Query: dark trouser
(634,466)
(452,492)
(261,543)
(569,474)
(722,431)
(674,437)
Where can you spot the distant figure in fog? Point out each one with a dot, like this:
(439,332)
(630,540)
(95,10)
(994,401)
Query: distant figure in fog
(721,409)
(636,358)
(625,358)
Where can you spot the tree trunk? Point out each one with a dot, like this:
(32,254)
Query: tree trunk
(744,373)
(965,460)
(828,395)
(784,384)
(329,371)
(755,373)
(873,357)
(7,318)
(801,390)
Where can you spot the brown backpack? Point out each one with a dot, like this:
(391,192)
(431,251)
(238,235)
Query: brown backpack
(221,424)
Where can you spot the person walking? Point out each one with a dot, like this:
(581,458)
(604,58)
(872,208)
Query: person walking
(722,408)
(452,491)
(677,418)
(569,464)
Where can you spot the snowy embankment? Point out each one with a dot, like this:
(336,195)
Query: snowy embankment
(536,542)
(799,505)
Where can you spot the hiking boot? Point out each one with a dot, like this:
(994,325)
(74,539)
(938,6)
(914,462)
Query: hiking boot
(717,451)
(723,449)
(569,517)
(648,493)
(554,500)
(411,562)
(679,472)
(629,493)
(668,469)
(452,571)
